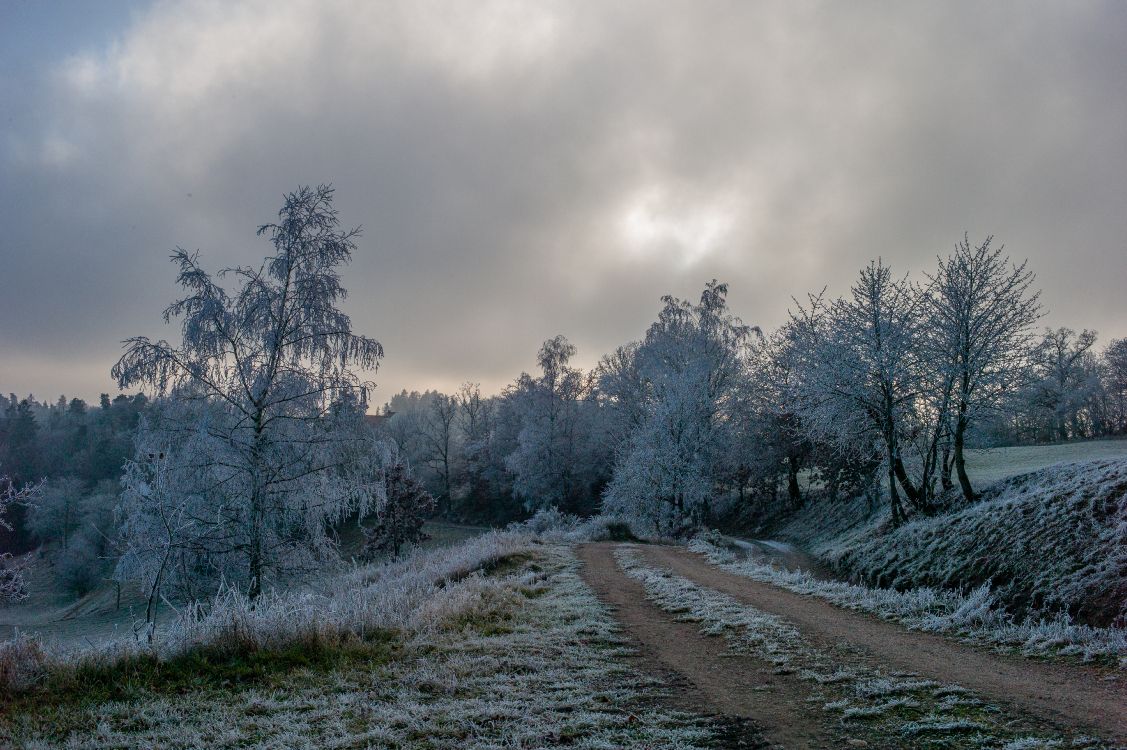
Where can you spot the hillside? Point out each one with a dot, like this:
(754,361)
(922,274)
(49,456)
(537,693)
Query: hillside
(1049,541)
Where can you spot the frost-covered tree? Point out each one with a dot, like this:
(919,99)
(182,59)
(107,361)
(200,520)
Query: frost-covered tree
(1065,379)
(259,448)
(1115,363)
(440,435)
(689,366)
(426,429)
(982,313)
(772,431)
(621,389)
(59,510)
(551,463)
(13,587)
(476,414)
(861,384)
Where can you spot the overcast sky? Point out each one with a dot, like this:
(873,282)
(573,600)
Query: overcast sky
(523,169)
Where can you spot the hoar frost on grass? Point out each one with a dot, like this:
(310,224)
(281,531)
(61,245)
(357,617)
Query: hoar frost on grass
(550,676)
(974,616)
(867,702)
(410,594)
(1051,540)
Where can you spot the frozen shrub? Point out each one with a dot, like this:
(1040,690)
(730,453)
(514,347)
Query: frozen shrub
(552,525)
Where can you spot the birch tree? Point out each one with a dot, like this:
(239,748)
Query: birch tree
(269,371)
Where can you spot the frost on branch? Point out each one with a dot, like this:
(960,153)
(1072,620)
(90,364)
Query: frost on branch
(12,585)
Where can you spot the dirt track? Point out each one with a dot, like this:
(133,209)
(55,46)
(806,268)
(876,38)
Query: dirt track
(1075,697)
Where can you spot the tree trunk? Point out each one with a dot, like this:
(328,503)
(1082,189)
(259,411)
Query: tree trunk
(960,460)
(948,466)
(894,498)
(793,490)
(256,562)
(916,496)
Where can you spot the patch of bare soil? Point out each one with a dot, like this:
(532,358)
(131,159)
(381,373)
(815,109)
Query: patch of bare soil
(1063,694)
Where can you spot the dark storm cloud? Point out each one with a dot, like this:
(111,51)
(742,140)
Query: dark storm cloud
(527,169)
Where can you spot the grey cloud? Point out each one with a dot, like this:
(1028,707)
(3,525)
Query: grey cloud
(523,170)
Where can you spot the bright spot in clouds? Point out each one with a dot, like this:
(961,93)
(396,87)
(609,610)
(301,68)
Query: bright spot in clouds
(657,224)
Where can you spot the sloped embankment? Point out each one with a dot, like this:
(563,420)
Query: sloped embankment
(1048,541)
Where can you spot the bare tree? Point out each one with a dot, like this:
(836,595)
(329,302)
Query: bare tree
(1062,364)
(983,310)
(13,588)
(438,433)
(861,375)
(272,360)
(474,413)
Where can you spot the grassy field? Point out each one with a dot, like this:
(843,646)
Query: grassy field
(991,465)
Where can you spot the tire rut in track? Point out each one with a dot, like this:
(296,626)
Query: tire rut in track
(704,678)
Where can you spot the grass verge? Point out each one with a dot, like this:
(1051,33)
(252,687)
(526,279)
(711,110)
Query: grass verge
(524,656)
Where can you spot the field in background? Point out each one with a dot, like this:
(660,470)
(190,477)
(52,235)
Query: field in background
(993,464)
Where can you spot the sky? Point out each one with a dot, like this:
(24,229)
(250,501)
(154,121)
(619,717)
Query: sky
(526,169)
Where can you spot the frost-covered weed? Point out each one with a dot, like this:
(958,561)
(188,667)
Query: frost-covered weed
(939,725)
(411,594)
(975,615)
(861,696)
(550,525)
(557,679)
(22,660)
(871,711)
(1039,743)
(1032,743)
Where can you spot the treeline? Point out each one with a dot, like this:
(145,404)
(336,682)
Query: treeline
(878,392)
(1075,392)
(77,452)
